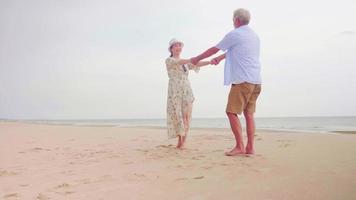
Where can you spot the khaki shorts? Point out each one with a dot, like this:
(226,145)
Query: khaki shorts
(243,97)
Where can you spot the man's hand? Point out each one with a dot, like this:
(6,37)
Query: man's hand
(194,60)
(215,61)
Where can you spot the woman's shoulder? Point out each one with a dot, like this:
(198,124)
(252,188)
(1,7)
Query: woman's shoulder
(171,60)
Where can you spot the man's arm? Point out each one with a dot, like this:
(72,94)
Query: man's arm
(207,53)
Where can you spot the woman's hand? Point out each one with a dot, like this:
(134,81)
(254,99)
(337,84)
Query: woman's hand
(216,60)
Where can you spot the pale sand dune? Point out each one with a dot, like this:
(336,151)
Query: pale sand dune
(66,162)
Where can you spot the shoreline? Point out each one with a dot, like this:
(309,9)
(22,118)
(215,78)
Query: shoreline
(270,130)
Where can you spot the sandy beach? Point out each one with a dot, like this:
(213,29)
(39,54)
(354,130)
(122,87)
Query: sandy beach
(82,162)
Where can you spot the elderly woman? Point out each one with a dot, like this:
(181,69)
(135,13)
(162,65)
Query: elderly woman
(180,96)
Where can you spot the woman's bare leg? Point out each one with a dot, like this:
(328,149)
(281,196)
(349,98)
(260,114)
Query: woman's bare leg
(187,116)
(179,144)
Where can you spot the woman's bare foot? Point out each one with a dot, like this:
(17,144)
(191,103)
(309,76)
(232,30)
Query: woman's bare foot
(235,152)
(183,142)
(179,145)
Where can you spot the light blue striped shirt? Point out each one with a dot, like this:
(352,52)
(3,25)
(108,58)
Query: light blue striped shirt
(242,63)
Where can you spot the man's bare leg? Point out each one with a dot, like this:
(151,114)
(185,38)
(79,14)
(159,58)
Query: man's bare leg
(237,131)
(250,128)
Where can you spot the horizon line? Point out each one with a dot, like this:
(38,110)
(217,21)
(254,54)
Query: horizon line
(63,119)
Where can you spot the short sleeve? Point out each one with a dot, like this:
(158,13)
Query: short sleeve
(171,63)
(193,67)
(227,42)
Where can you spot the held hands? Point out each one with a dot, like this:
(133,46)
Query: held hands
(214,61)
(194,60)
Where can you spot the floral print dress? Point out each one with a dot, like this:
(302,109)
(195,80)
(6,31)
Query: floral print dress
(180,95)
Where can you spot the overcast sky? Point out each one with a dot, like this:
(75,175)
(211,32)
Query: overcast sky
(70,59)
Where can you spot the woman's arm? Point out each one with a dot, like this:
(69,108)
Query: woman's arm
(183,61)
(202,63)
(176,63)
(198,65)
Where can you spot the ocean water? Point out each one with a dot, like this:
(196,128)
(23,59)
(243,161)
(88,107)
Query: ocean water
(300,124)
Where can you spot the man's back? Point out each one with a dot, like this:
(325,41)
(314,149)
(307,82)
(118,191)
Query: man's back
(242,57)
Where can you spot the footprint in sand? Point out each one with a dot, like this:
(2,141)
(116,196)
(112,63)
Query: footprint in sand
(245,165)
(195,158)
(7,173)
(140,175)
(165,146)
(284,143)
(103,152)
(64,185)
(114,156)
(37,149)
(11,196)
(180,179)
(67,172)
(99,179)
(63,189)
(24,185)
(128,162)
(266,169)
(179,166)
(143,150)
(206,167)
(42,197)
(105,144)
(224,164)
(255,170)
(183,179)
(84,181)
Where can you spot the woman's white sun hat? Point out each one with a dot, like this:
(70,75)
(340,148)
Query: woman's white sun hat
(174,41)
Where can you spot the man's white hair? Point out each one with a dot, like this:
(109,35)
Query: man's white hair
(243,15)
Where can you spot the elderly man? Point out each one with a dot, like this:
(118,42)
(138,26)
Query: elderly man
(242,72)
